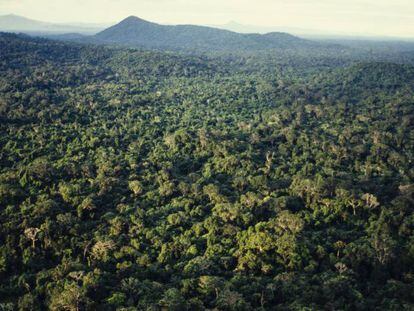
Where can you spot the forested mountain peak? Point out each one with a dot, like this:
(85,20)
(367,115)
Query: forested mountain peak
(133,20)
(278,34)
(136,32)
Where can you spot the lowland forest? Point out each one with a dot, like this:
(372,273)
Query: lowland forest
(152,167)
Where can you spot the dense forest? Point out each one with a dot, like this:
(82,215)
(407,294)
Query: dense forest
(150,180)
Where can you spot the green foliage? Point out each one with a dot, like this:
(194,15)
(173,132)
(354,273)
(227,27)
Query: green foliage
(138,180)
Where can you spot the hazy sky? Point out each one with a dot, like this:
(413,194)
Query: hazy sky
(369,17)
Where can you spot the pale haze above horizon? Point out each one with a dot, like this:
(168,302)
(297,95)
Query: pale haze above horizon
(352,17)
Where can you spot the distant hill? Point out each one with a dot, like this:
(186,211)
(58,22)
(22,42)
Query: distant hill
(137,32)
(15,23)
(244,28)
(381,76)
(359,81)
(368,44)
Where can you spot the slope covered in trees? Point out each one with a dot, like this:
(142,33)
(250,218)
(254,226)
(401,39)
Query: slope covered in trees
(137,32)
(135,180)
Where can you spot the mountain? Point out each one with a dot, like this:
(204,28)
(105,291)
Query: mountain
(242,28)
(15,23)
(137,32)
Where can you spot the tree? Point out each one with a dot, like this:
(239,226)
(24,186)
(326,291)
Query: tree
(173,300)
(31,233)
(70,298)
(136,187)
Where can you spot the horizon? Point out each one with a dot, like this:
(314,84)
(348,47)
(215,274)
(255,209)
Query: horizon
(363,19)
(260,29)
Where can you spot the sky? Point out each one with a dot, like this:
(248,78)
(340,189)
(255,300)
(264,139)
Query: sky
(345,17)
